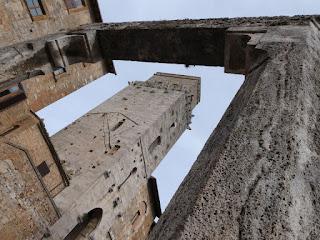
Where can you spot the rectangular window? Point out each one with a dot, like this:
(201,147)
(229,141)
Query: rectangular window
(35,8)
(74,4)
(11,95)
(59,72)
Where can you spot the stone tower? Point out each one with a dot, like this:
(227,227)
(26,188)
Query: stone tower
(256,178)
(111,152)
(93,179)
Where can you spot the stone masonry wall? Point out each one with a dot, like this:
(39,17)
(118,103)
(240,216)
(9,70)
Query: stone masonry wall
(258,174)
(111,152)
(17,25)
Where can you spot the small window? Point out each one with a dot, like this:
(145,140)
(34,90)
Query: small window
(154,144)
(35,8)
(173,125)
(11,95)
(59,70)
(74,4)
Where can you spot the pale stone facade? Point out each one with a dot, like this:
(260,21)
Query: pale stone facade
(256,178)
(111,152)
(18,25)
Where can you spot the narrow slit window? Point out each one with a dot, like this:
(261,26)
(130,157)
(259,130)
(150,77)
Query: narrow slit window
(72,4)
(173,125)
(154,144)
(118,125)
(135,217)
(35,8)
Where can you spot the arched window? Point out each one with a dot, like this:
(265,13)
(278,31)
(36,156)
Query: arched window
(89,223)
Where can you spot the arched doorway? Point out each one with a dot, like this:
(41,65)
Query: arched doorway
(87,226)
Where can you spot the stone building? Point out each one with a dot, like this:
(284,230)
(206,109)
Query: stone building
(95,174)
(256,178)
(31,173)
(23,20)
(111,152)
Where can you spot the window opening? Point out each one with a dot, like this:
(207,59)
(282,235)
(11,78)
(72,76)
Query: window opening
(154,144)
(118,125)
(11,95)
(59,70)
(89,223)
(71,4)
(35,8)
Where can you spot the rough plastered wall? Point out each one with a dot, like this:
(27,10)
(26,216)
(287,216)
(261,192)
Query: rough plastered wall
(19,127)
(28,134)
(134,222)
(111,152)
(25,209)
(26,188)
(11,115)
(17,25)
(258,174)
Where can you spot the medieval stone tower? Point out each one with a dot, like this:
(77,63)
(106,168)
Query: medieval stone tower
(92,179)
(256,178)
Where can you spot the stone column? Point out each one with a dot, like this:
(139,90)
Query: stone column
(259,172)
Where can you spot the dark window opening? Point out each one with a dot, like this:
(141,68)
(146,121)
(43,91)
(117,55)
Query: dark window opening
(135,217)
(119,124)
(11,95)
(75,4)
(154,196)
(154,144)
(173,125)
(59,70)
(43,169)
(88,224)
(4,93)
(12,89)
(35,8)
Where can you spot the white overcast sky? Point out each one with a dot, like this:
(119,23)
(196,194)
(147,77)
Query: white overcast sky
(217,88)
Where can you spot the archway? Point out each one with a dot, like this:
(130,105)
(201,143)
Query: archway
(87,226)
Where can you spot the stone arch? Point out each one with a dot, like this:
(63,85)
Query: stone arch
(88,224)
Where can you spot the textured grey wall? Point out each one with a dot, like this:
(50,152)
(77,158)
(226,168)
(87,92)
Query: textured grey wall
(218,88)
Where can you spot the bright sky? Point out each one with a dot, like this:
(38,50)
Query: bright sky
(217,88)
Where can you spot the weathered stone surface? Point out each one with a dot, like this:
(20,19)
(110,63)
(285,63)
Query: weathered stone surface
(258,174)
(17,25)
(256,178)
(30,172)
(40,49)
(29,179)
(190,42)
(111,152)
